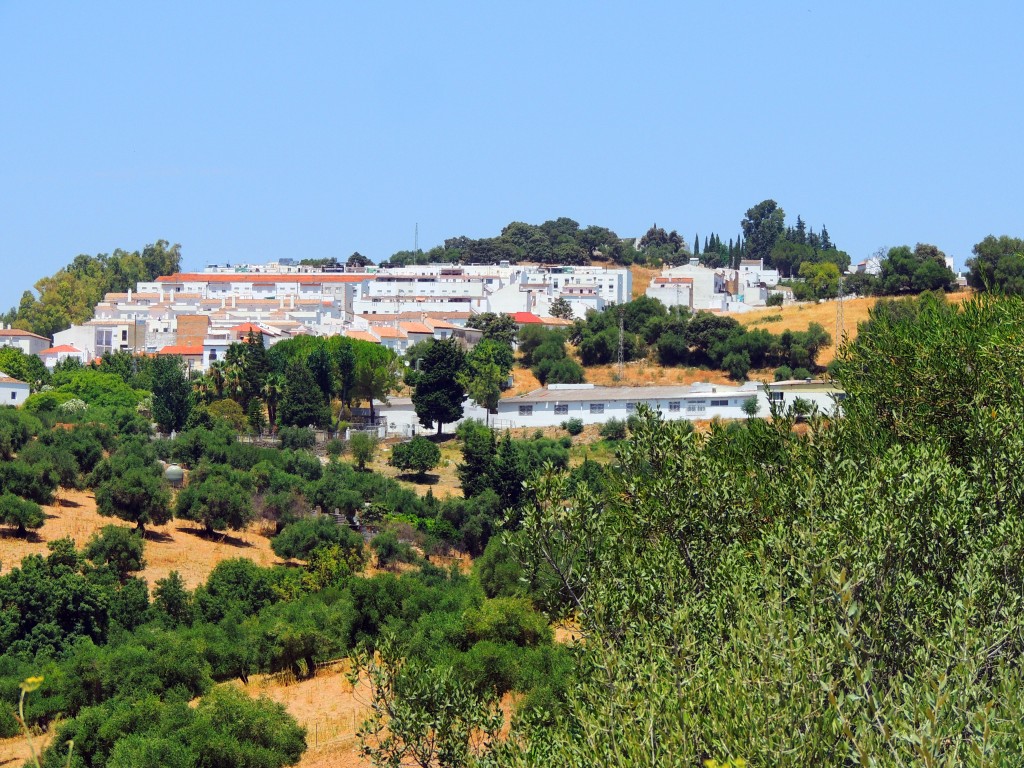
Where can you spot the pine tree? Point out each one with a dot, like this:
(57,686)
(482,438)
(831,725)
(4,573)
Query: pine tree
(826,243)
(800,235)
(438,395)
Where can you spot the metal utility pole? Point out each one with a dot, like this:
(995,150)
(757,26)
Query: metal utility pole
(840,320)
(622,345)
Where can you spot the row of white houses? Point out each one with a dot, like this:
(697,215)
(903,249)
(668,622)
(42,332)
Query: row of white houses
(552,405)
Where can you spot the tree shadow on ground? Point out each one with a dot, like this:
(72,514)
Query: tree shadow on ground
(217,537)
(412,477)
(30,536)
(158,536)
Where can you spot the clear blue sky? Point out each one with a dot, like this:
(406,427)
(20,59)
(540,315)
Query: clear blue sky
(253,131)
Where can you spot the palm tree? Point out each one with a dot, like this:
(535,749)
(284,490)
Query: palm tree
(202,388)
(273,389)
(216,374)
(234,382)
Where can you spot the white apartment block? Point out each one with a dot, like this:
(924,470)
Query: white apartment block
(200,310)
(719,290)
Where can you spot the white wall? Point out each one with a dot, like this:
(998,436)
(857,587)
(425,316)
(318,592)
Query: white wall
(13,394)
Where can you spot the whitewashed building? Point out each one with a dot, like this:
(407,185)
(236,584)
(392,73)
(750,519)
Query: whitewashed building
(12,391)
(551,405)
(28,342)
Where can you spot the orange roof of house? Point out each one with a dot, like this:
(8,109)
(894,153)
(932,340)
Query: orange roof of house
(386,332)
(60,349)
(181,350)
(11,332)
(525,317)
(435,324)
(361,336)
(415,328)
(5,379)
(259,277)
(247,328)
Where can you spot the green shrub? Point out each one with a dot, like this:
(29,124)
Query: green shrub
(419,454)
(297,438)
(573,426)
(613,429)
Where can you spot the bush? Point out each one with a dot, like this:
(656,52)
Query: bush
(297,438)
(801,373)
(335,448)
(419,454)
(390,550)
(774,300)
(613,429)
(364,448)
(116,547)
(21,513)
(783,373)
(301,538)
(573,426)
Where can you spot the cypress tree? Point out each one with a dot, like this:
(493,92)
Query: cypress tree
(696,244)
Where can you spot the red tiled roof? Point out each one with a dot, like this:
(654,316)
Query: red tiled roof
(685,280)
(60,350)
(5,379)
(362,336)
(525,317)
(415,328)
(386,332)
(181,350)
(247,328)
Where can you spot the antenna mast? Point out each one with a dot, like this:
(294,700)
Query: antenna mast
(416,238)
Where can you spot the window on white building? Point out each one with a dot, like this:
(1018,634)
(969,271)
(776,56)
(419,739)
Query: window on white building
(526,410)
(775,397)
(561,409)
(597,407)
(715,403)
(630,407)
(673,405)
(14,395)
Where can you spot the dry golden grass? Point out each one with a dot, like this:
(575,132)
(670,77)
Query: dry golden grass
(442,480)
(642,278)
(179,546)
(798,316)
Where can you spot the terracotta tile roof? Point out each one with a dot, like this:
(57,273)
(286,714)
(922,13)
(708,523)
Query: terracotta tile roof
(181,350)
(415,328)
(684,280)
(525,317)
(435,324)
(386,332)
(5,379)
(362,336)
(17,333)
(60,350)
